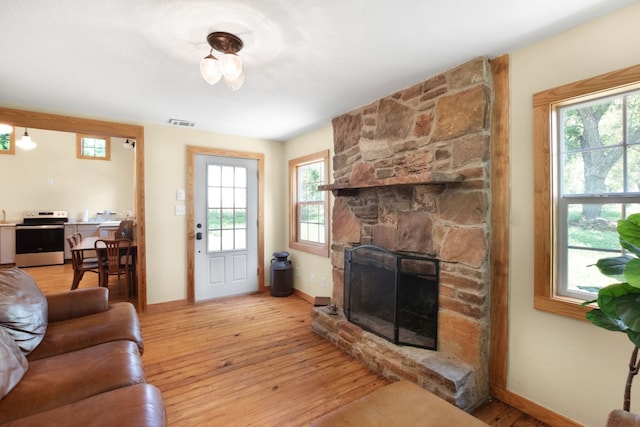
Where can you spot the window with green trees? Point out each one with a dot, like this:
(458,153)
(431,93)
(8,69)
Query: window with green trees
(7,140)
(598,155)
(93,147)
(309,207)
(586,178)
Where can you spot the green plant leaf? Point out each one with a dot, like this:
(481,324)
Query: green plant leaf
(629,229)
(614,266)
(628,310)
(598,318)
(630,247)
(632,272)
(608,295)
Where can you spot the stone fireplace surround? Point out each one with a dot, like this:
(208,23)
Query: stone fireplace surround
(412,174)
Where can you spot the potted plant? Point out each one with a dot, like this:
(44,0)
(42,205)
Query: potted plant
(619,304)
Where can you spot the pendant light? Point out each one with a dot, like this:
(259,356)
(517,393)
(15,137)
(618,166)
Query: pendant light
(26,143)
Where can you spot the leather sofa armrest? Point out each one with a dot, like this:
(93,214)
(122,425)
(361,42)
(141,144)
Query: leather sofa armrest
(77,303)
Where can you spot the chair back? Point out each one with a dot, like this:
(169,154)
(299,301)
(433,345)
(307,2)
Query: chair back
(125,230)
(72,243)
(77,257)
(113,251)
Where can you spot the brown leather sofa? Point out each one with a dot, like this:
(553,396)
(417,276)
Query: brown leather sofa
(71,359)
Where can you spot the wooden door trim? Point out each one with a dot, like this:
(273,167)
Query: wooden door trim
(192,151)
(32,119)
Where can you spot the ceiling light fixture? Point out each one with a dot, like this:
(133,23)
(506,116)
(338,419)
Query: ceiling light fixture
(25,142)
(229,66)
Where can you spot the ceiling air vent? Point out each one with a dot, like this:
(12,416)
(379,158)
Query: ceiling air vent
(183,123)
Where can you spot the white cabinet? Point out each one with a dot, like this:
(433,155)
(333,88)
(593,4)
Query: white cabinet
(88,230)
(7,245)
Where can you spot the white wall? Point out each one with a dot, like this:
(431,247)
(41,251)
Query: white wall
(51,177)
(569,366)
(166,172)
(312,273)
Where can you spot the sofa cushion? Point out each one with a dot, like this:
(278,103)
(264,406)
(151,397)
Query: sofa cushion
(23,308)
(119,322)
(13,365)
(70,377)
(138,405)
(396,405)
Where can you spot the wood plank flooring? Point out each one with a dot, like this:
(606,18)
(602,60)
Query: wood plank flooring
(250,361)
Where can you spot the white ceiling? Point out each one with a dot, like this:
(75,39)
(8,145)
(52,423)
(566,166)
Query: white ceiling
(306,61)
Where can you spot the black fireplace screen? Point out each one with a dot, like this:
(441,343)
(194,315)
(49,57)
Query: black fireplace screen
(392,295)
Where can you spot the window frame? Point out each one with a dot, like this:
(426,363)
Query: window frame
(546,297)
(79,144)
(12,142)
(321,249)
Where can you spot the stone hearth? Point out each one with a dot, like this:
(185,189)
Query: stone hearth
(412,175)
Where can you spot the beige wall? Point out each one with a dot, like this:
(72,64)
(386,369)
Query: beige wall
(166,172)
(51,177)
(312,273)
(569,366)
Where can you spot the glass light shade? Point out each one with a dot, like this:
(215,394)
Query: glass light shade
(210,69)
(236,83)
(25,142)
(231,66)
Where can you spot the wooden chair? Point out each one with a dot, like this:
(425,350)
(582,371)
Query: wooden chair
(115,260)
(78,238)
(80,264)
(125,230)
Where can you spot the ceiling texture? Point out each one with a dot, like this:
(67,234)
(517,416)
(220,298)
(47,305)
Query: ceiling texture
(306,61)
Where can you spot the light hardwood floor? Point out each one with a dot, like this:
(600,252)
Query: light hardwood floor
(250,361)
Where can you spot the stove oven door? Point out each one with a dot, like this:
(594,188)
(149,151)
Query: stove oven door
(39,245)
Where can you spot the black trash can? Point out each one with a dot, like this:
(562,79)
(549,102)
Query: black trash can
(281,275)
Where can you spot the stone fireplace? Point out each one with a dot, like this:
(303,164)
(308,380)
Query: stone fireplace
(412,176)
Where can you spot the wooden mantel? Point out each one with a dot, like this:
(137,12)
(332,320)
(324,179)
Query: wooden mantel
(427,178)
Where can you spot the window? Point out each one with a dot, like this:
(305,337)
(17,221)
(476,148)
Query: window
(93,147)
(226,208)
(7,139)
(309,207)
(586,157)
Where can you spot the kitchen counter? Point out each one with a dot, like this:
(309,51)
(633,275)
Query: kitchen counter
(94,222)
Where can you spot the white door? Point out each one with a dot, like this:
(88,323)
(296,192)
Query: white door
(226,226)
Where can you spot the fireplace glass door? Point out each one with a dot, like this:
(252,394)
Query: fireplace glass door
(392,295)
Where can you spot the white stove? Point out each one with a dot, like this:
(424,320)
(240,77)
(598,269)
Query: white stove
(40,238)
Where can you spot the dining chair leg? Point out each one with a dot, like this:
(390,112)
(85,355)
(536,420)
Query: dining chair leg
(127,285)
(77,277)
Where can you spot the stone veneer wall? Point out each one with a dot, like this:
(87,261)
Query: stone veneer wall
(395,147)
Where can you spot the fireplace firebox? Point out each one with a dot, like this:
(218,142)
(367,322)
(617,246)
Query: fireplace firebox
(393,295)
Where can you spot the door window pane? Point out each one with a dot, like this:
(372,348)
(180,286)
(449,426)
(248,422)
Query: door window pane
(227,202)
